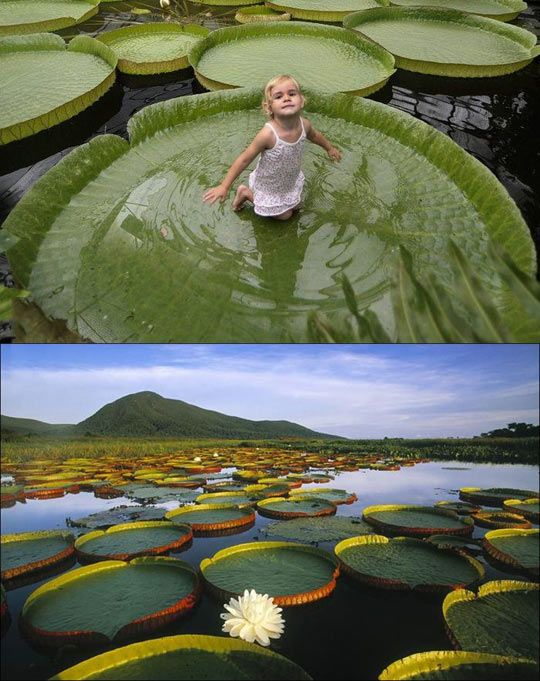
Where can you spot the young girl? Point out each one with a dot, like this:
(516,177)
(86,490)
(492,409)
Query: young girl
(275,186)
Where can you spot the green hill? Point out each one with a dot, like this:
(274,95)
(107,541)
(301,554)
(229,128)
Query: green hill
(11,424)
(147,414)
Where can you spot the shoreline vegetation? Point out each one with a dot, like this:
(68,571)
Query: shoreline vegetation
(517,450)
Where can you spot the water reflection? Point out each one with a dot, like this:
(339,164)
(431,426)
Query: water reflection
(370,628)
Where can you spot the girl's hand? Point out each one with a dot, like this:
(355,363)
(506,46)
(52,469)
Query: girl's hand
(212,195)
(334,154)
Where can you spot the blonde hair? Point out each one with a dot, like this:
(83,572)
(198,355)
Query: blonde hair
(276,80)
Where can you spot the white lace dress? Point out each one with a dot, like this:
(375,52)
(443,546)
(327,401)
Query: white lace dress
(277,181)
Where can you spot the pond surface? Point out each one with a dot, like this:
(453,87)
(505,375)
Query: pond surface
(491,118)
(354,633)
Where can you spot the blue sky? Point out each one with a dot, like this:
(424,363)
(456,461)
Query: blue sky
(350,390)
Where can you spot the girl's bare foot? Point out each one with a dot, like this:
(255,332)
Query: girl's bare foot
(242,195)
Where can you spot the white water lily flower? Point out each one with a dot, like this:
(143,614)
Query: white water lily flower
(253,617)
(216,455)
(164,3)
(197,459)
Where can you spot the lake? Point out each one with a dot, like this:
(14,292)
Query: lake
(354,633)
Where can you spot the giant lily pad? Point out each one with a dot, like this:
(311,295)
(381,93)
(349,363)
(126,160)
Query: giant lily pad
(155,494)
(460,507)
(26,552)
(446,42)
(504,10)
(212,517)
(502,619)
(517,548)
(295,507)
(335,496)
(315,530)
(498,519)
(529,508)
(46,82)
(129,540)
(133,214)
(416,521)
(32,16)
(323,10)
(247,15)
(176,657)
(153,48)
(324,57)
(111,600)
(292,574)
(117,515)
(405,563)
(239,499)
(458,664)
(494,496)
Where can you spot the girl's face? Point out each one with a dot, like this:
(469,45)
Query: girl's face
(285,99)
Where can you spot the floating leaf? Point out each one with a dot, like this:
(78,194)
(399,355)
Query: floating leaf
(446,42)
(406,563)
(292,574)
(176,657)
(502,619)
(314,530)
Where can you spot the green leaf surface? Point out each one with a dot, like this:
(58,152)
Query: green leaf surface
(269,569)
(109,595)
(32,16)
(129,539)
(188,657)
(521,546)
(314,530)
(30,547)
(134,218)
(504,10)
(324,10)
(114,516)
(324,57)
(47,82)
(446,41)
(452,664)
(501,621)
(153,47)
(411,562)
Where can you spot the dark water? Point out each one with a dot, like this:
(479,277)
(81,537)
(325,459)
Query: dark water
(354,633)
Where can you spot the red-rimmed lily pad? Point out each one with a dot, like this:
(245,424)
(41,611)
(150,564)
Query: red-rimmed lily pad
(295,507)
(26,552)
(460,507)
(416,521)
(406,563)
(321,529)
(212,517)
(129,540)
(529,508)
(459,664)
(110,600)
(176,657)
(494,496)
(292,574)
(500,519)
(334,496)
(449,541)
(240,499)
(516,548)
(501,619)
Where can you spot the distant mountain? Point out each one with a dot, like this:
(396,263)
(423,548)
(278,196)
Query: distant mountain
(150,415)
(12,424)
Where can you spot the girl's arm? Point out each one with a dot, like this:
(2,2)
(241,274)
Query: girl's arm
(318,138)
(260,142)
